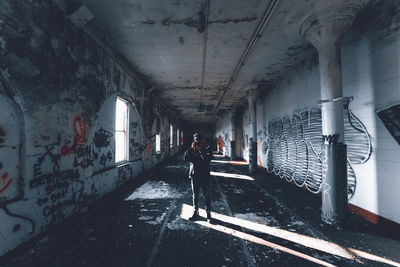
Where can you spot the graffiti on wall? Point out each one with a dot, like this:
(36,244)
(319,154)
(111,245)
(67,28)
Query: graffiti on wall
(102,138)
(136,146)
(56,183)
(8,164)
(5,180)
(79,136)
(64,189)
(148,147)
(391,119)
(86,155)
(124,173)
(293,147)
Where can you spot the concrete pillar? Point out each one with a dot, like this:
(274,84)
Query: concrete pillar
(324,29)
(233,136)
(251,97)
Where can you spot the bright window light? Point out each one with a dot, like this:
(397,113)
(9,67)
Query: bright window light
(171,135)
(121,130)
(177,137)
(158,143)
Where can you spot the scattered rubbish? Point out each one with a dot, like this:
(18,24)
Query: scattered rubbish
(154,190)
(43,240)
(145,218)
(89,231)
(252,217)
(84,210)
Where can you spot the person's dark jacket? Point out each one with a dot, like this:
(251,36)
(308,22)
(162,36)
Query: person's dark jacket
(199,162)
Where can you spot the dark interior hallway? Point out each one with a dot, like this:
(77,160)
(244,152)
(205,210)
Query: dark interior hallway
(145,224)
(299,100)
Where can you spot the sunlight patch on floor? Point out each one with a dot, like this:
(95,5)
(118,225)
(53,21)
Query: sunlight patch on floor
(232,175)
(307,241)
(233,162)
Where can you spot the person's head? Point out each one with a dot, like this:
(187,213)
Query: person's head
(197,138)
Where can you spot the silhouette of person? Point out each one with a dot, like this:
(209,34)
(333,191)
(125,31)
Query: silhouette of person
(199,156)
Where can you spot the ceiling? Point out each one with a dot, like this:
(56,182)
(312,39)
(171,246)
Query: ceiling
(192,51)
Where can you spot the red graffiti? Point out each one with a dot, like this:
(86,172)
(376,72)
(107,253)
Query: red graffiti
(259,144)
(148,149)
(80,130)
(5,182)
(220,144)
(80,133)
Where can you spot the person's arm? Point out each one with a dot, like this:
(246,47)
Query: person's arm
(189,155)
(208,155)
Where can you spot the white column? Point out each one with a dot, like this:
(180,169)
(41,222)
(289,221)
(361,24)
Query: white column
(324,29)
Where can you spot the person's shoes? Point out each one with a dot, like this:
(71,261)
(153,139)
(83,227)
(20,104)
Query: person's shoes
(209,219)
(195,216)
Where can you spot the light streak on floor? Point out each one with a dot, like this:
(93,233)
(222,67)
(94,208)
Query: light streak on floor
(233,162)
(188,210)
(310,242)
(232,175)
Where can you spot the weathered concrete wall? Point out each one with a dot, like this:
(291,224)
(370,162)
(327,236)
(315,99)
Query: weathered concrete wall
(57,118)
(371,70)
(223,134)
(371,75)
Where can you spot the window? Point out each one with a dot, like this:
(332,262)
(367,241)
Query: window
(158,143)
(171,133)
(158,136)
(177,137)
(181,137)
(121,130)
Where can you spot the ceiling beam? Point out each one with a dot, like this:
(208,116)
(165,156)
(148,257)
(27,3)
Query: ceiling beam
(203,67)
(247,51)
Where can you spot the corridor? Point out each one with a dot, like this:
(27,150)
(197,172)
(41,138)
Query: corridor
(146,224)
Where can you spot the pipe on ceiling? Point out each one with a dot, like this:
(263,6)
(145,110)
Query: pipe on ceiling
(203,67)
(257,33)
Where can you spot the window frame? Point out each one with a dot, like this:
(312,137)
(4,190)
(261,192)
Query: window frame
(177,137)
(158,143)
(171,136)
(125,130)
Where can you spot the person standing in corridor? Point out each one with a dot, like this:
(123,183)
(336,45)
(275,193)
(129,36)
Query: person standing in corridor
(199,156)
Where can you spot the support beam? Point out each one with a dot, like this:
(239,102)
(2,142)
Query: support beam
(233,135)
(251,97)
(324,29)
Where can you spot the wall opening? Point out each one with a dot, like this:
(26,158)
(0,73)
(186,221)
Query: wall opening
(121,130)
(177,137)
(171,135)
(181,137)
(158,143)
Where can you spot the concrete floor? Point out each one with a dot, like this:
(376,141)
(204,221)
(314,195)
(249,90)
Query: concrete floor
(259,222)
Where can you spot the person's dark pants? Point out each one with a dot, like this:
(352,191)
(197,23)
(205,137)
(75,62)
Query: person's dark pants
(204,183)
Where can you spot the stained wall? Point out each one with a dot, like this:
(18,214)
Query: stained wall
(57,120)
